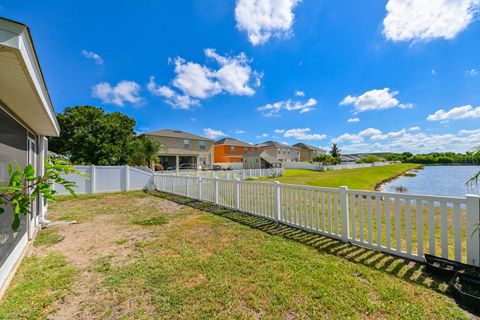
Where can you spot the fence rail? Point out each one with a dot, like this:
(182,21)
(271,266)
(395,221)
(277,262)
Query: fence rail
(404,225)
(230,174)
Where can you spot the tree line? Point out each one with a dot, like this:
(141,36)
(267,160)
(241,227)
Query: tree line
(436,158)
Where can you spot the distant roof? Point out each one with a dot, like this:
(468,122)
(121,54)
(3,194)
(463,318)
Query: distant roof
(269,144)
(176,134)
(302,145)
(262,154)
(233,142)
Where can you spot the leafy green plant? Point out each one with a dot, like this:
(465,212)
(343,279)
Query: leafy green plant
(24,186)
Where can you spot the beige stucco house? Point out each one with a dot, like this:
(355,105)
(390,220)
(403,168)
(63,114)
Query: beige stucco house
(183,150)
(308,152)
(280,151)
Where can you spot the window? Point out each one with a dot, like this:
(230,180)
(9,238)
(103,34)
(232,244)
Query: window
(232,149)
(186,144)
(202,145)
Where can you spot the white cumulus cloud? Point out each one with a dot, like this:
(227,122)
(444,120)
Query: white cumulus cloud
(264,19)
(92,55)
(376,99)
(406,140)
(299,93)
(370,132)
(212,133)
(273,109)
(471,72)
(303,134)
(194,81)
(124,91)
(353,120)
(423,20)
(457,113)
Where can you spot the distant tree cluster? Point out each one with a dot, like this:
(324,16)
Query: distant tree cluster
(436,158)
(369,159)
(329,159)
(89,135)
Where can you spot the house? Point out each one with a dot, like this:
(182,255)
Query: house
(261,159)
(308,152)
(229,152)
(280,151)
(183,150)
(26,119)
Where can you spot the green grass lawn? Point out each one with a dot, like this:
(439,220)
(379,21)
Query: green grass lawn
(197,261)
(360,179)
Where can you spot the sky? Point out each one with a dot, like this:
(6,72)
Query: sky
(391,75)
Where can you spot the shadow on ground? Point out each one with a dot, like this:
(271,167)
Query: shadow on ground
(405,269)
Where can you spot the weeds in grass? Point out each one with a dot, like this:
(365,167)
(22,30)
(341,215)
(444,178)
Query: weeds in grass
(38,283)
(155,221)
(48,237)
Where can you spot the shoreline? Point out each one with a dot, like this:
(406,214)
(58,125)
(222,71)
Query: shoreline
(379,185)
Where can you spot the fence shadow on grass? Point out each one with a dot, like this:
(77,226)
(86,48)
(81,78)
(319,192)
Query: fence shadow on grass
(405,269)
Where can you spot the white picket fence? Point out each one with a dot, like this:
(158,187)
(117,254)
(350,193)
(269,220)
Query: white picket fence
(403,225)
(231,174)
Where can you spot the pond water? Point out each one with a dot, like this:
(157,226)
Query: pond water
(436,180)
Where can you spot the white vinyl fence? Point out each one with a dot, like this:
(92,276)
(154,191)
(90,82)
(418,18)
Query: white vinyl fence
(125,178)
(230,174)
(404,225)
(108,179)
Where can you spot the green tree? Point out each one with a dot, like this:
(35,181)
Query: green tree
(335,151)
(326,159)
(369,159)
(91,136)
(144,151)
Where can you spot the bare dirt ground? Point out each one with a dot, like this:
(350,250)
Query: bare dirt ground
(88,241)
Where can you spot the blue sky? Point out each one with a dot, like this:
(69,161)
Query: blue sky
(391,75)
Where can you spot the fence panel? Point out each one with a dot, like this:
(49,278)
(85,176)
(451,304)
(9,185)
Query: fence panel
(399,224)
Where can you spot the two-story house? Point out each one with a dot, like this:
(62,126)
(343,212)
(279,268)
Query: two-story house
(280,151)
(229,152)
(308,152)
(183,150)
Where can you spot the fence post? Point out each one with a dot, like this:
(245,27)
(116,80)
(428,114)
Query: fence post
(92,179)
(215,190)
(186,187)
(243,174)
(237,194)
(199,188)
(127,178)
(473,231)
(344,213)
(278,201)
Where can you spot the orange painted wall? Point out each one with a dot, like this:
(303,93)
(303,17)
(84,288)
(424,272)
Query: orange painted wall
(223,154)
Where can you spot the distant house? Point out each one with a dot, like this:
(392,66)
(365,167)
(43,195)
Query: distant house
(27,117)
(183,150)
(229,152)
(261,159)
(280,151)
(308,152)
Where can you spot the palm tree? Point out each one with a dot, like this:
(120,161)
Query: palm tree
(144,151)
(474,180)
(151,149)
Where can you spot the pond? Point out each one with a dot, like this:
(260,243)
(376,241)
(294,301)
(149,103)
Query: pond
(436,180)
